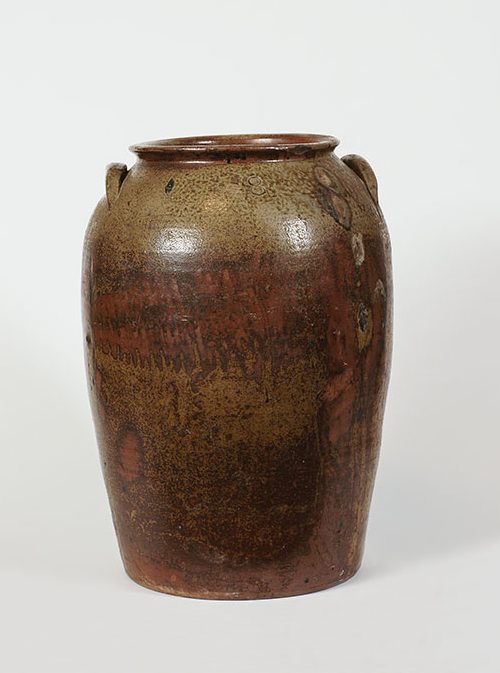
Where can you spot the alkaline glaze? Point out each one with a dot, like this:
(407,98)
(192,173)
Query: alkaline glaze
(237,315)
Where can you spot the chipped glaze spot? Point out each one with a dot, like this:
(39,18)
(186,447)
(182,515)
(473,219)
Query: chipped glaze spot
(322,176)
(358,248)
(364,326)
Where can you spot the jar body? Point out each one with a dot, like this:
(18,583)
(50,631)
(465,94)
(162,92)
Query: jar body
(237,319)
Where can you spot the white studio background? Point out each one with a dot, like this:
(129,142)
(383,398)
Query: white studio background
(412,86)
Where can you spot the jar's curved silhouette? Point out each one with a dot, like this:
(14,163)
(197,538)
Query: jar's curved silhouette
(237,317)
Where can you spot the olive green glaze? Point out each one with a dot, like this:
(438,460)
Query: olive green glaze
(237,314)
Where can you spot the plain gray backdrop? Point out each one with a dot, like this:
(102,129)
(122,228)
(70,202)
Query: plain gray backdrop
(412,86)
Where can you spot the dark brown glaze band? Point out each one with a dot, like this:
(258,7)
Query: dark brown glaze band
(204,149)
(237,318)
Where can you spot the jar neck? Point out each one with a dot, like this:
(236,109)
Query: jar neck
(235,148)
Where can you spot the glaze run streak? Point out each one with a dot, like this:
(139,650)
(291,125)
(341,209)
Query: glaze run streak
(237,313)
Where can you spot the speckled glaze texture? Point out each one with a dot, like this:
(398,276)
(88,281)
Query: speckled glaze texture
(237,319)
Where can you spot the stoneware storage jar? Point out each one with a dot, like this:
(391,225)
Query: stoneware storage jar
(237,317)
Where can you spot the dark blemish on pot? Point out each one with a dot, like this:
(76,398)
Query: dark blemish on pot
(363,317)
(301,149)
(88,340)
(306,581)
(169,186)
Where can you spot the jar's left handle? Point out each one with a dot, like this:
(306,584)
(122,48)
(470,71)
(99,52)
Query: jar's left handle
(115,175)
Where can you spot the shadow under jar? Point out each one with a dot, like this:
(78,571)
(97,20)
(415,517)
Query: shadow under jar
(237,315)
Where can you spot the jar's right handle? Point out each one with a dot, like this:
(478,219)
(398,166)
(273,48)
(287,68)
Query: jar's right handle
(365,172)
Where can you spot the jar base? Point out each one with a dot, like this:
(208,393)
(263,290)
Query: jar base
(245,594)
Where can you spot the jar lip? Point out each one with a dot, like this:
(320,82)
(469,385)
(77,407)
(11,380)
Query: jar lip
(279,145)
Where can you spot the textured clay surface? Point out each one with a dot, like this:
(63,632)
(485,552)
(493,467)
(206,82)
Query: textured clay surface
(237,316)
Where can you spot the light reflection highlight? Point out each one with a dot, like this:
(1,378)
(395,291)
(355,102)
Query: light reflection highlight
(299,235)
(178,241)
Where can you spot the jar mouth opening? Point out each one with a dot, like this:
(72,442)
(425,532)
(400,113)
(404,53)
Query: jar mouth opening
(270,145)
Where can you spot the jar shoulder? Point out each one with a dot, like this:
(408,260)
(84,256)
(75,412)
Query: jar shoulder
(232,210)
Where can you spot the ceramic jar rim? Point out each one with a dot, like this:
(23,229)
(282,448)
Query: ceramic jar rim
(216,147)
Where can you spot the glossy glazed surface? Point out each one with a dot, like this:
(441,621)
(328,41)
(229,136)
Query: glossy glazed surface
(237,316)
